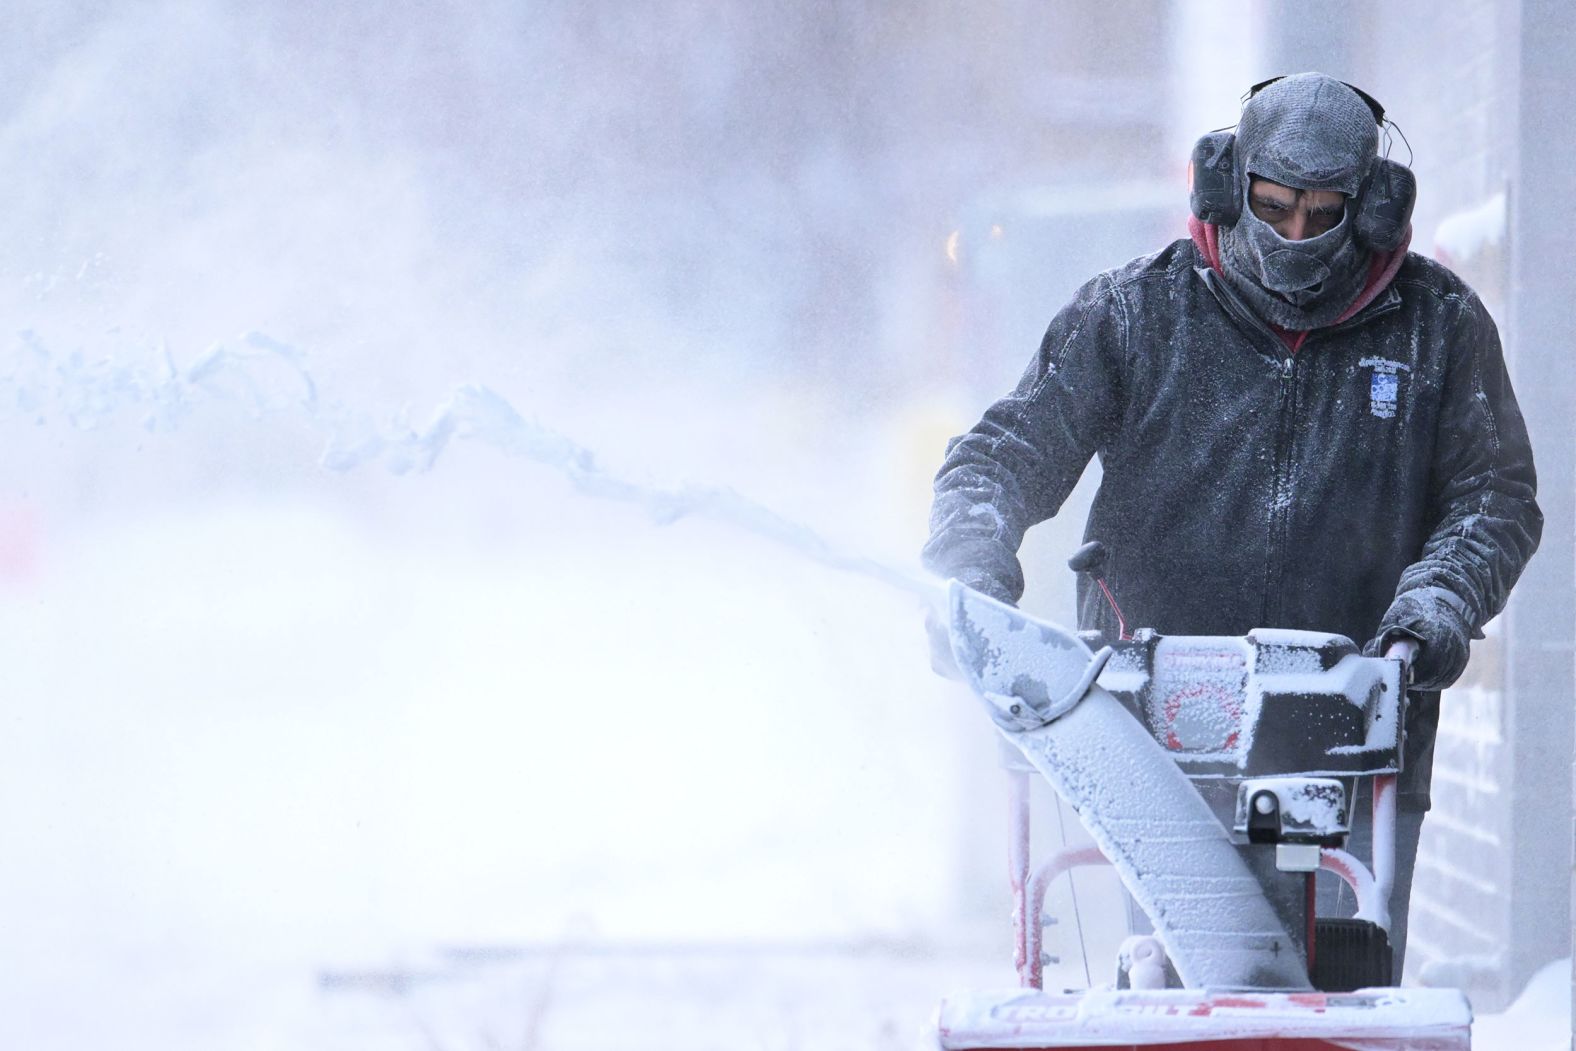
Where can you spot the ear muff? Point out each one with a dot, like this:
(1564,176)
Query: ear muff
(1213,192)
(1384,205)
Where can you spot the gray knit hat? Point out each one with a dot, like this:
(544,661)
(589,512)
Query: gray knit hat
(1308,131)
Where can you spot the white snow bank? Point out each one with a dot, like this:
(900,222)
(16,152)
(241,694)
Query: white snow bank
(1539,1020)
(1464,234)
(246,743)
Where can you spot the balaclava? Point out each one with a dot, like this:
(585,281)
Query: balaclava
(1309,132)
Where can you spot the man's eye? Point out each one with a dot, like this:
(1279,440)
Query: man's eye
(1273,206)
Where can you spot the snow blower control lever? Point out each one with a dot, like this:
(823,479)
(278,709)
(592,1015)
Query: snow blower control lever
(1091,559)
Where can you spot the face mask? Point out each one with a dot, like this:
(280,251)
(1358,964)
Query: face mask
(1309,132)
(1296,285)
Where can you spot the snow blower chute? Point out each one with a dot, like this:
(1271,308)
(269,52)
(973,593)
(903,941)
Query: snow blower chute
(1275,727)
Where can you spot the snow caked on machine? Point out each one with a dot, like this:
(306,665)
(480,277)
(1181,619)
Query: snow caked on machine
(1216,775)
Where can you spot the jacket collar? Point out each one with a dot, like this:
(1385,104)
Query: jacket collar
(1377,297)
(1239,311)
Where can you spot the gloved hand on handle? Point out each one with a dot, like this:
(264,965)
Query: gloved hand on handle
(1439,621)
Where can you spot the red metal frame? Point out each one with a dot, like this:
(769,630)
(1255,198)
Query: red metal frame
(1371,888)
(1029,890)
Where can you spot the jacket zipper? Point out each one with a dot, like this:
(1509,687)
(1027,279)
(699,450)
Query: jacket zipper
(1279,512)
(1280,491)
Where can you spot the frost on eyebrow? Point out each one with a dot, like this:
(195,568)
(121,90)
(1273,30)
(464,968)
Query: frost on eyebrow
(1274,195)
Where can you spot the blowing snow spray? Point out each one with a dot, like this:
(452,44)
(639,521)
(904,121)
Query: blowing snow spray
(248,376)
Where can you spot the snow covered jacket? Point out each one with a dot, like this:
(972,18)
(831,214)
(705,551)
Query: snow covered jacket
(1245,485)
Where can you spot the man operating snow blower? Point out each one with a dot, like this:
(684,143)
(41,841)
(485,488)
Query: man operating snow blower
(1300,425)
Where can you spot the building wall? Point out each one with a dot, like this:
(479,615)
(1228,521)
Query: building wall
(1541,661)
(1492,898)
(1478,88)
(1461,129)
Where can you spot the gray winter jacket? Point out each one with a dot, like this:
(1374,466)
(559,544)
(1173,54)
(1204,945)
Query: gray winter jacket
(1245,486)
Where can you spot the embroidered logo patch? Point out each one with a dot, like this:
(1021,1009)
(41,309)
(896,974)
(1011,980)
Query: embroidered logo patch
(1381,395)
(1384,389)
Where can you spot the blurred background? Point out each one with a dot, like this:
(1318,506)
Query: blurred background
(304,747)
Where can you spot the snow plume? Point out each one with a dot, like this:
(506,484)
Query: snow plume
(266,378)
(85,393)
(476,413)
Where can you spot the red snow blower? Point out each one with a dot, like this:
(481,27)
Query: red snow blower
(1216,776)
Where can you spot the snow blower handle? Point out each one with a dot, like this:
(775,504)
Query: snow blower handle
(1405,651)
(1091,559)
(1088,559)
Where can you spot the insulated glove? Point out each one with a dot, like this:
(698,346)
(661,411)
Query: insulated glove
(1437,619)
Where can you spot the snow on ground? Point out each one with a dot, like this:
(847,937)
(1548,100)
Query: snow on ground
(1538,1020)
(253,744)
(873,997)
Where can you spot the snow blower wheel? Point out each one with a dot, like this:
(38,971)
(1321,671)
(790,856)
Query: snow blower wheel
(1350,955)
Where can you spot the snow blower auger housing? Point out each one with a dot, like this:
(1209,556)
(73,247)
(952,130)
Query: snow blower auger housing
(1272,726)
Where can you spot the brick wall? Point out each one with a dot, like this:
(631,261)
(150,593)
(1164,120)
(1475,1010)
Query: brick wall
(1461,128)
(1446,73)
(1491,902)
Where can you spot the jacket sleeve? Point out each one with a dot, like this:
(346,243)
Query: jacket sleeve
(1017,465)
(1483,489)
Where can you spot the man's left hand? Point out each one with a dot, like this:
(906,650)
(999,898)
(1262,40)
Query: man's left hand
(1438,621)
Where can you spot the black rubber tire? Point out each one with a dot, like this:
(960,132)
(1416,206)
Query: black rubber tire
(1350,954)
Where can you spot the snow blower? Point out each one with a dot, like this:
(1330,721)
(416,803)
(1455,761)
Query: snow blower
(1276,727)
